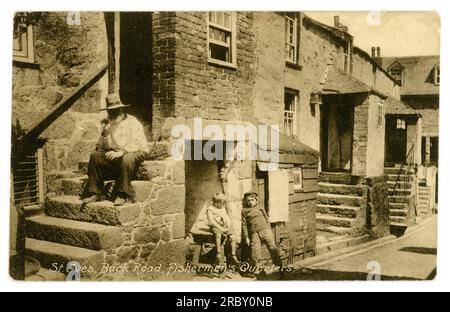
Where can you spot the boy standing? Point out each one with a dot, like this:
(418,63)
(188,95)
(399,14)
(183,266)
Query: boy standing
(256,230)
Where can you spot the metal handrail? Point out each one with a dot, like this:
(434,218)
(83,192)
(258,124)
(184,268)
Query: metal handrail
(411,150)
(22,145)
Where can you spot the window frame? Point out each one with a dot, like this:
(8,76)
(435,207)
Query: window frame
(398,73)
(401,124)
(232,31)
(295,42)
(347,57)
(292,113)
(396,67)
(297,171)
(380,116)
(437,74)
(27,40)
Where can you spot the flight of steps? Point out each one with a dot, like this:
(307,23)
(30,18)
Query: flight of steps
(425,200)
(338,207)
(401,195)
(67,230)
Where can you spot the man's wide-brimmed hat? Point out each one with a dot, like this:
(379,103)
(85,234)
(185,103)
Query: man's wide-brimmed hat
(113,102)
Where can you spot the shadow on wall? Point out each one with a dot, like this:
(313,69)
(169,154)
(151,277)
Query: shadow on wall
(202,183)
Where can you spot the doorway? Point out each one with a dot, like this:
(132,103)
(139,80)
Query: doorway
(396,140)
(136,65)
(337,133)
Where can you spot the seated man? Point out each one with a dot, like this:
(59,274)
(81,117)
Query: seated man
(214,219)
(120,150)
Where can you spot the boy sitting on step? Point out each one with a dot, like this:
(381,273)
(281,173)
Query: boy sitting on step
(214,219)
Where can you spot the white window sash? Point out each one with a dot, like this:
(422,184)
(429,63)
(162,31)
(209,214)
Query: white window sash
(291,39)
(230,45)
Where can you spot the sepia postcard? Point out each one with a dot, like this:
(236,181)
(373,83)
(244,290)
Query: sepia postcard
(224,146)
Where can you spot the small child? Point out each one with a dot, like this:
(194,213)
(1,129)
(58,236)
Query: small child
(256,230)
(214,219)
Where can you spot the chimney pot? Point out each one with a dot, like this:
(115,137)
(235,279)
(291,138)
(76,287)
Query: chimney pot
(378,52)
(336,21)
(373,52)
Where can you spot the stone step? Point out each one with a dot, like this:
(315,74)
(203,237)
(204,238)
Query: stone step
(398,212)
(397,170)
(148,169)
(45,275)
(396,178)
(74,233)
(140,190)
(335,230)
(335,177)
(403,206)
(335,199)
(342,189)
(399,192)
(338,211)
(56,256)
(334,221)
(103,212)
(33,210)
(399,185)
(344,242)
(397,219)
(400,199)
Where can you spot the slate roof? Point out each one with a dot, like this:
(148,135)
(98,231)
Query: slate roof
(396,107)
(418,73)
(341,83)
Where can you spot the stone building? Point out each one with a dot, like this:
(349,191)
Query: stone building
(419,78)
(335,93)
(246,69)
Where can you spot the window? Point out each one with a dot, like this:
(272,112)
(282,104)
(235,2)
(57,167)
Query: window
(401,124)
(380,116)
(298,179)
(23,43)
(347,58)
(290,106)
(396,71)
(291,37)
(398,76)
(222,38)
(437,74)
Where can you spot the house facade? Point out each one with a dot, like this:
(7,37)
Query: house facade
(419,78)
(327,97)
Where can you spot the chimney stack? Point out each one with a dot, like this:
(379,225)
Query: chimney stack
(378,52)
(373,52)
(336,21)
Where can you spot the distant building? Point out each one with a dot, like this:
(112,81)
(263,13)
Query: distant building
(419,78)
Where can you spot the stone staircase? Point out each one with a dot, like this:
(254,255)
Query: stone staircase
(425,200)
(339,208)
(401,196)
(68,230)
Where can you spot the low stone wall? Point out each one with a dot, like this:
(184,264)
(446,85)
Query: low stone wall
(153,228)
(377,206)
(156,237)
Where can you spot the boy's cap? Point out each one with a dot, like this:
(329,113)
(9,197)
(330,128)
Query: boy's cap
(250,194)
